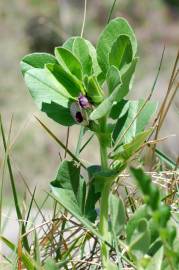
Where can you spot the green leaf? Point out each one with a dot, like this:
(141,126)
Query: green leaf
(117,213)
(156,260)
(50,265)
(43,89)
(113,78)
(119,109)
(118,93)
(72,85)
(128,150)
(68,44)
(58,113)
(69,62)
(121,53)
(145,115)
(68,177)
(69,189)
(133,222)
(140,240)
(81,51)
(149,190)
(47,96)
(141,120)
(119,126)
(109,36)
(92,51)
(36,60)
(101,177)
(91,199)
(94,91)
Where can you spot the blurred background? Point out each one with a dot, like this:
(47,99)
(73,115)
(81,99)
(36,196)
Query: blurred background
(38,25)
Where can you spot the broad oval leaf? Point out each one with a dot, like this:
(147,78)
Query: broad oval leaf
(36,60)
(92,52)
(117,213)
(43,89)
(113,78)
(141,212)
(121,52)
(68,44)
(94,91)
(69,61)
(81,51)
(72,85)
(48,96)
(111,33)
(141,239)
(58,113)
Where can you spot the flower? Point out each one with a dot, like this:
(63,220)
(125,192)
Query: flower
(79,114)
(83,102)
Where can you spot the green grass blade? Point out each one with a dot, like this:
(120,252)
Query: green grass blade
(86,143)
(14,191)
(158,71)
(80,137)
(3,173)
(111,11)
(30,206)
(166,159)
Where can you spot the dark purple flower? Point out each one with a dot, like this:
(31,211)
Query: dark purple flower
(76,112)
(83,102)
(79,117)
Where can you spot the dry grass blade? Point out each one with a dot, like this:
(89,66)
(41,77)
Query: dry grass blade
(167,101)
(162,112)
(19,254)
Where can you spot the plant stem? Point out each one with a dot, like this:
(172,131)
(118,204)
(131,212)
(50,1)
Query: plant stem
(103,225)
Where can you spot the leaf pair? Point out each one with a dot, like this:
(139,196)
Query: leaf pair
(70,190)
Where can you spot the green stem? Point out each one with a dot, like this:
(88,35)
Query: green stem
(103,225)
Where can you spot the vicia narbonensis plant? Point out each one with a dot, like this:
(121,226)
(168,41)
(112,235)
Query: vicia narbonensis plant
(87,86)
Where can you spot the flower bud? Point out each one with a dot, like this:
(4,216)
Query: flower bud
(83,102)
